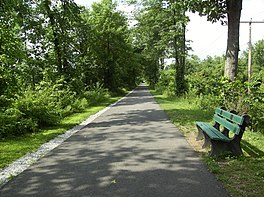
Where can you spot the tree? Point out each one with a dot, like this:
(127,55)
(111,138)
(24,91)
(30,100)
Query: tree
(12,49)
(111,45)
(258,56)
(217,10)
(178,27)
(63,16)
(161,34)
(234,8)
(146,41)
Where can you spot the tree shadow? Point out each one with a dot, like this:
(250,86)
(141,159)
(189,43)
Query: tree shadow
(120,168)
(251,150)
(188,116)
(131,150)
(185,116)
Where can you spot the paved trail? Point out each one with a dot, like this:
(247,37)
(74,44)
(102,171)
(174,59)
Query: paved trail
(132,150)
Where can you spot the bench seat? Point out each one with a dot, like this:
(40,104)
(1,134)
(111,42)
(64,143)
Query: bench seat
(212,132)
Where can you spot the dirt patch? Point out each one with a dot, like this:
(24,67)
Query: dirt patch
(196,145)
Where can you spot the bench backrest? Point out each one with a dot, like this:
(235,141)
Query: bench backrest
(229,120)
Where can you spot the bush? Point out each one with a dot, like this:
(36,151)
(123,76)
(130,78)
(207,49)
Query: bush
(256,102)
(44,105)
(209,102)
(80,105)
(40,105)
(4,102)
(166,84)
(233,95)
(96,93)
(13,123)
(212,90)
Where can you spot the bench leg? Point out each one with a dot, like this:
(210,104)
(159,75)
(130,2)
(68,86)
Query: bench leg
(200,134)
(236,148)
(219,147)
(207,141)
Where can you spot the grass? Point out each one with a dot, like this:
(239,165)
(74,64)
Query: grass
(13,148)
(242,176)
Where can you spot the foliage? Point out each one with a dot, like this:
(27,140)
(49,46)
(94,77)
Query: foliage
(13,123)
(216,10)
(112,46)
(258,55)
(256,102)
(160,34)
(212,90)
(40,106)
(14,147)
(96,94)
(166,84)
(184,112)
(204,77)
(54,56)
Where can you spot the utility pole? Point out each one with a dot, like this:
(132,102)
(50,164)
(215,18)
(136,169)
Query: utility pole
(250,47)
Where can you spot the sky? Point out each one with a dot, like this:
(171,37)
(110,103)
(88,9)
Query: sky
(209,39)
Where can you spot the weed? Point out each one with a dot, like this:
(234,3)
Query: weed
(241,176)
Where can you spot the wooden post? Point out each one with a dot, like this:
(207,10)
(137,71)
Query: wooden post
(250,53)
(250,47)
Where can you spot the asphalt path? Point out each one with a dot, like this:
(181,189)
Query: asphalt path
(132,150)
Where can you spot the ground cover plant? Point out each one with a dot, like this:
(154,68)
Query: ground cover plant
(242,176)
(14,147)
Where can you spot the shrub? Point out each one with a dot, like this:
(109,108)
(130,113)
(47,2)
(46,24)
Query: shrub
(39,105)
(255,102)
(4,101)
(44,105)
(166,84)
(209,102)
(212,90)
(13,123)
(80,104)
(234,95)
(96,93)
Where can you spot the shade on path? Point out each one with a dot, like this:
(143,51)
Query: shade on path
(132,150)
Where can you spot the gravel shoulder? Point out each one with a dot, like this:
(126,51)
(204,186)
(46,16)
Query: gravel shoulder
(131,149)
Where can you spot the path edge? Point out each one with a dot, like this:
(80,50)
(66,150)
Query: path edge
(23,163)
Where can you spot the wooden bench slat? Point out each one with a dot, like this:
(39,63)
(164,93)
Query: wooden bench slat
(230,126)
(230,116)
(212,132)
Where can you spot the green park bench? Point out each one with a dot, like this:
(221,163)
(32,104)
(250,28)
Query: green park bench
(226,133)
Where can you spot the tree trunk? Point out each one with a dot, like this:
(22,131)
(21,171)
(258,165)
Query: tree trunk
(56,41)
(179,55)
(234,8)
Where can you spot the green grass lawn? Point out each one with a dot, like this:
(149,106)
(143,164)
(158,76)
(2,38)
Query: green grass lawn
(13,148)
(243,176)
